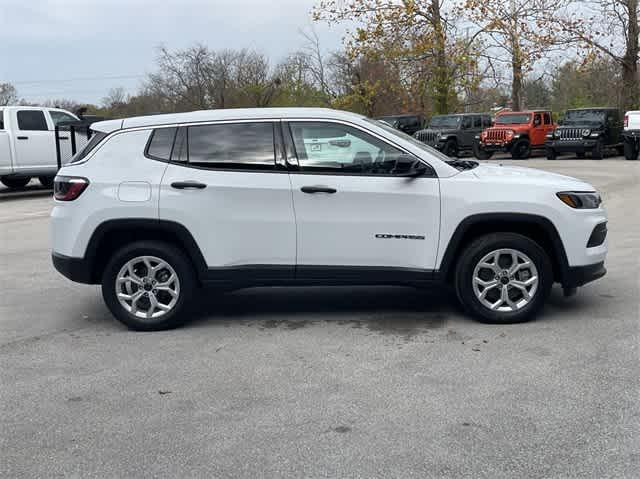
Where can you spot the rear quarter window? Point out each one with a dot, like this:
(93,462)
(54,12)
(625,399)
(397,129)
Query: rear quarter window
(96,138)
(161,144)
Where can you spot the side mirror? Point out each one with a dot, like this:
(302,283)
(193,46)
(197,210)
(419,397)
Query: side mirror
(408,166)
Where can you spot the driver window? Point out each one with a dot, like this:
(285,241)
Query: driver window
(466,123)
(537,120)
(336,148)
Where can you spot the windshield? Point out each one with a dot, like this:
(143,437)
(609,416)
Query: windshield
(515,119)
(444,121)
(432,151)
(581,117)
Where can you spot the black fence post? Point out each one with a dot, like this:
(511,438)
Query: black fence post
(58,154)
(72,132)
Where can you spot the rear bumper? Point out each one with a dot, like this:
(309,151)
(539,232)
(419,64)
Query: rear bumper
(75,269)
(580,275)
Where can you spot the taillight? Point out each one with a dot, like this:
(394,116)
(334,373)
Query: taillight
(626,121)
(68,188)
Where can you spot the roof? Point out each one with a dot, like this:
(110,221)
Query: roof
(223,114)
(513,112)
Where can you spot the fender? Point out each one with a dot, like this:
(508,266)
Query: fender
(455,244)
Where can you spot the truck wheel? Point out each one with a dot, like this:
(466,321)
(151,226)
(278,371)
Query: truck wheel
(630,151)
(15,183)
(480,154)
(450,149)
(503,278)
(551,154)
(147,285)
(596,153)
(521,150)
(46,181)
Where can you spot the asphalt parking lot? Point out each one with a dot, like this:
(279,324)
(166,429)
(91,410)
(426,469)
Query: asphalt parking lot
(325,382)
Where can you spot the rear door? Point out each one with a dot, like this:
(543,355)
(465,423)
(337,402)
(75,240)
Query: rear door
(354,216)
(227,185)
(34,141)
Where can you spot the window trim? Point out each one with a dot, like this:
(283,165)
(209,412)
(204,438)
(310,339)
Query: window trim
(297,169)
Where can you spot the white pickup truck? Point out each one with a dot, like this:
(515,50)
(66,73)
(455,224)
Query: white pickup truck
(631,135)
(28,145)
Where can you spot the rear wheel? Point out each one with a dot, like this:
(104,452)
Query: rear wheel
(503,278)
(480,154)
(15,183)
(521,150)
(46,181)
(630,151)
(450,148)
(147,285)
(551,154)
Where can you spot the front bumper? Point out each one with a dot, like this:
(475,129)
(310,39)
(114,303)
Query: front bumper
(580,275)
(571,146)
(75,269)
(493,147)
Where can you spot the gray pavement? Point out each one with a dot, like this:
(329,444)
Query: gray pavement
(326,382)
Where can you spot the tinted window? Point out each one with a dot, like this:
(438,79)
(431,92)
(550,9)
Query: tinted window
(59,117)
(466,122)
(32,120)
(161,143)
(232,145)
(96,137)
(513,119)
(331,147)
(1,120)
(477,122)
(547,119)
(486,121)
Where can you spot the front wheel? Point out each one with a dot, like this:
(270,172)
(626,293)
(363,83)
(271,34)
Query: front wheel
(450,149)
(521,150)
(551,154)
(480,154)
(503,278)
(147,285)
(630,151)
(14,183)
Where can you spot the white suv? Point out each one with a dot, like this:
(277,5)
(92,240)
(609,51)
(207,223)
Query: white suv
(155,207)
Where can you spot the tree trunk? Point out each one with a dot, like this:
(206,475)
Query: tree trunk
(442,86)
(631,89)
(516,86)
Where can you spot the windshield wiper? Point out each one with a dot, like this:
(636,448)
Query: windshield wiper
(463,164)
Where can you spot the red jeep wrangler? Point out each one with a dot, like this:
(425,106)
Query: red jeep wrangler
(515,132)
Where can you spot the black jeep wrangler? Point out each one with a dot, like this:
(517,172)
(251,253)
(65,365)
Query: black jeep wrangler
(408,124)
(453,134)
(586,130)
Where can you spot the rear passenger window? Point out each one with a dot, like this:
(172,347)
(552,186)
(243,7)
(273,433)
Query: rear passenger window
(232,145)
(477,122)
(547,119)
(161,143)
(32,120)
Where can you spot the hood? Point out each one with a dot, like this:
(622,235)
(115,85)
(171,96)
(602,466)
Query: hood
(440,129)
(581,126)
(520,174)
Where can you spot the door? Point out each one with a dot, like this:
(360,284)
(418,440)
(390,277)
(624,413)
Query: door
(538,131)
(354,216)
(34,142)
(225,186)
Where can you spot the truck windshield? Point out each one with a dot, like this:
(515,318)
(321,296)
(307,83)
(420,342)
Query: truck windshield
(516,119)
(96,138)
(584,117)
(444,121)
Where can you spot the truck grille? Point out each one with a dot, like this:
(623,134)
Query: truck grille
(430,137)
(570,133)
(496,135)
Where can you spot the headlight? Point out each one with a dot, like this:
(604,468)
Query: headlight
(556,134)
(510,134)
(586,132)
(580,200)
(594,134)
(549,136)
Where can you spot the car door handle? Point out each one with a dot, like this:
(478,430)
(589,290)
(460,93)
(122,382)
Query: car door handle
(317,189)
(188,185)
(22,137)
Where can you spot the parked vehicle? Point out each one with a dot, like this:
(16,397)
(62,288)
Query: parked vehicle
(27,144)
(156,206)
(631,135)
(408,124)
(516,133)
(453,134)
(586,130)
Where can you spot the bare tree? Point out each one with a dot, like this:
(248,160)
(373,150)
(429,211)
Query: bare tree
(8,94)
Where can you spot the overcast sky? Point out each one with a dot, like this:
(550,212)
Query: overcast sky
(78,49)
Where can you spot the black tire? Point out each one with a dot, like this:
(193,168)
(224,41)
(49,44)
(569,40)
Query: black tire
(15,183)
(597,152)
(581,155)
(46,181)
(521,149)
(480,154)
(620,150)
(551,154)
(450,148)
(630,151)
(183,268)
(484,245)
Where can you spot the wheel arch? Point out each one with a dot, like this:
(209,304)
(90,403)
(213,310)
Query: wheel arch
(111,235)
(538,228)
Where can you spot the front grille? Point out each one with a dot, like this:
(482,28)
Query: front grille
(496,135)
(570,133)
(430,137)
(598,235)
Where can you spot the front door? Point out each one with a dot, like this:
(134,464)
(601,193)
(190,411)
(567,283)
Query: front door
(355,219)
(229,192)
